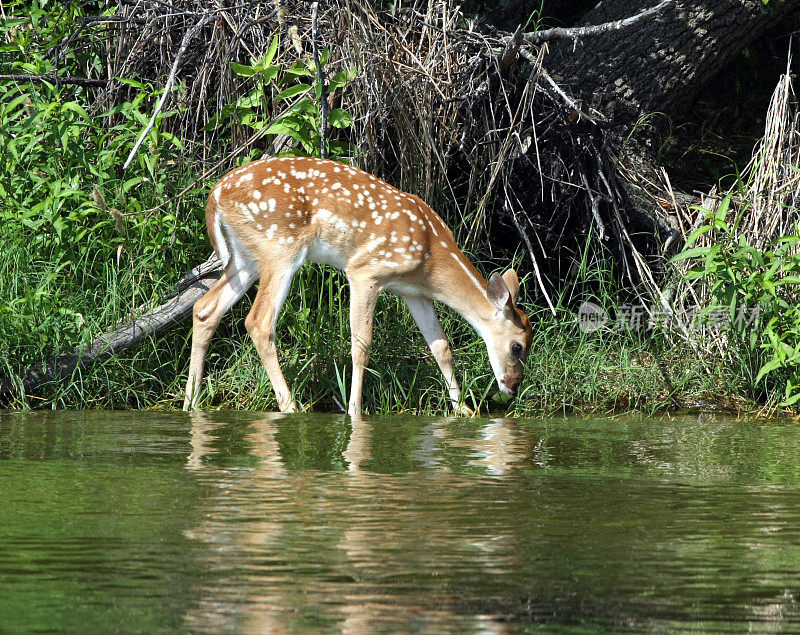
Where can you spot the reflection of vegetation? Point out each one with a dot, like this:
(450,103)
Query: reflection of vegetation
(609,523)
(93,522)
(232,447)
(680,448)
(310,443)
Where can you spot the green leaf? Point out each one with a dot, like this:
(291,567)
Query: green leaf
(131,183)
(292,91)
(722,209)
(721,225)
(343,78)
(131,82)
(251,100)
(282,127)
(172,139)
(76,108)
(303,105)
(771,365)
(697,233)
(340,118)
(694,274)
(271,73)
(58,225)
(270,54)
(298,69)
(243,70)
(789,401)
(691,253)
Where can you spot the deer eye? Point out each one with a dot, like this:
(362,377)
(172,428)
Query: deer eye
(516,349)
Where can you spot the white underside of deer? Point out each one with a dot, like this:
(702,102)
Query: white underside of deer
(268,217)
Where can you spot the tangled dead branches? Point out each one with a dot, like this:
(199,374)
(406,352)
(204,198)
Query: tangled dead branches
(464,116)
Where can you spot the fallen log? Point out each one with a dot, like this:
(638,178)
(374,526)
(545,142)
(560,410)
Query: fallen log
(190,288)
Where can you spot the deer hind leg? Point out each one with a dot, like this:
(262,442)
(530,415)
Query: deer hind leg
(208,312)
(363,296)
(425,316)
(263,317)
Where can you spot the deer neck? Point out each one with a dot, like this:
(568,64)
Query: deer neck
(463,289)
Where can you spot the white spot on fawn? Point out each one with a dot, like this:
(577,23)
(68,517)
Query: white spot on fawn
(374,242)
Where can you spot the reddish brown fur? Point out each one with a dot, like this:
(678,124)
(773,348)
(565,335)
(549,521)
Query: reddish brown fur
(425,233)
(265,218)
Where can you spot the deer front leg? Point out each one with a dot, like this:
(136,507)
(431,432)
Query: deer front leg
(425,316)
(363,296)
(260,323)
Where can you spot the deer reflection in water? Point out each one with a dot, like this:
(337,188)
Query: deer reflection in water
(337,542)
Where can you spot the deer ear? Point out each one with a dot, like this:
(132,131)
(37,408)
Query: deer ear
(512,282)
(498,293)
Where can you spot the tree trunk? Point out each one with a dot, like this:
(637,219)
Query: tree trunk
(662,63)
(658,65)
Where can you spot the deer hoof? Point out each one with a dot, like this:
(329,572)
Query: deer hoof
(462,410)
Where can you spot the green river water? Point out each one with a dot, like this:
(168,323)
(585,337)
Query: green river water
(254,522)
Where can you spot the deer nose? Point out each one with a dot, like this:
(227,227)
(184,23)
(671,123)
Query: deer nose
(511,386)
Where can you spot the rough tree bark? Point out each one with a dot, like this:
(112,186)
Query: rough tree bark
(660,65)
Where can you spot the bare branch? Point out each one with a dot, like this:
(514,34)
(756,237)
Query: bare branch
(574,33)
(531,253)
(511,49)
(559,91)
(168,86)
(323,101)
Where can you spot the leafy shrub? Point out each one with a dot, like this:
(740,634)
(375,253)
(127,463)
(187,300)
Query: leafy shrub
(282,100)
(746,282)
(79,248)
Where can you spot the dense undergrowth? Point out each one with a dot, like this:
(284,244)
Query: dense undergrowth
(86,245)
(83,250)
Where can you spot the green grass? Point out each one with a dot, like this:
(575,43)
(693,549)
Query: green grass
(85,245)
(567,370)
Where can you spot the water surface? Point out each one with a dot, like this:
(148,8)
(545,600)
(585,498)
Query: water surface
(253,522)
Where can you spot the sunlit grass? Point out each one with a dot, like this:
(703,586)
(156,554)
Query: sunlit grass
(567,370)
